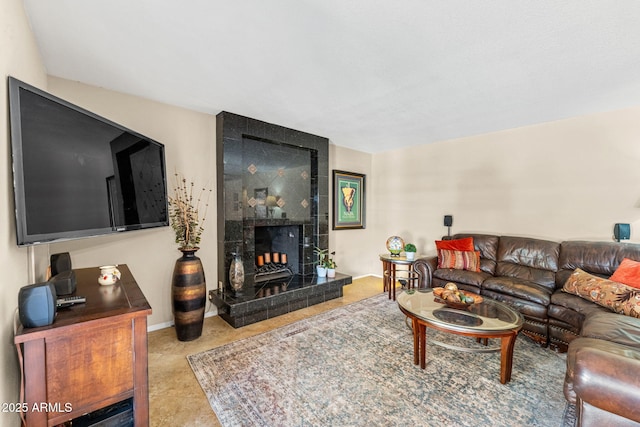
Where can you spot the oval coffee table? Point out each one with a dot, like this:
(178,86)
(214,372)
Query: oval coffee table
(489,319)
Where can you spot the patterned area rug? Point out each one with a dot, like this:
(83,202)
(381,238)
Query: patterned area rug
(353,366)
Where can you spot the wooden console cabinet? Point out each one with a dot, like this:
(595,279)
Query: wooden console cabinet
(92,356)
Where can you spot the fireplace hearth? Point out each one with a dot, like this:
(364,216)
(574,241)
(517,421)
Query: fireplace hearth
(273,208)
(277,297)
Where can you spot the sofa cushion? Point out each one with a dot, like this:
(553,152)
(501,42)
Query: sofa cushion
(628,272)
(613,327)
(472,278)
(598,258)
(533,260)
(529,309)
(594,257)
(519,288)
(571,309)
(459,260)
(616,296)
(575,303)
(464,244)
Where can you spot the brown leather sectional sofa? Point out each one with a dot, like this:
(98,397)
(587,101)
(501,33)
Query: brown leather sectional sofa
(603,360)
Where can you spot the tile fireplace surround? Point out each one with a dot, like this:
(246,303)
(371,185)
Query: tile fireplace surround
(272,186)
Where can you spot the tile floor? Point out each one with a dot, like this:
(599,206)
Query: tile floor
(175,397)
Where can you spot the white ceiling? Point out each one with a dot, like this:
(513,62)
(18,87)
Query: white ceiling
(371,75)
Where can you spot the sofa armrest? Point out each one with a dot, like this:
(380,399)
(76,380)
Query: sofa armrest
(608,381)
(425,267)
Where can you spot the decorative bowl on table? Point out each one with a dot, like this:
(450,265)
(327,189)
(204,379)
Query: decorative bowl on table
(395,245)
(453,297)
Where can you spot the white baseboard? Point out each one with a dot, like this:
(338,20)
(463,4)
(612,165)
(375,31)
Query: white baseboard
(170,324)
(379,276)
(159,326)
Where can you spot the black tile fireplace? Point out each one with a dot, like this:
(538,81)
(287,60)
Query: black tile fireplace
(273,204)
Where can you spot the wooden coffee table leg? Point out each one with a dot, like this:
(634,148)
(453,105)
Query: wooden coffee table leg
(506,357)
(416,340)
(423,344)
(393,280)
(390,278)
(385,275)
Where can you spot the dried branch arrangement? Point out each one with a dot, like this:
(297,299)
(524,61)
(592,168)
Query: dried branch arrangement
(184,212)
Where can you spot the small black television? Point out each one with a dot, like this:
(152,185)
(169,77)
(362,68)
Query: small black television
(76,174)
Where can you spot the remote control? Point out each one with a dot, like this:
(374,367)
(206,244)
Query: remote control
(69,301)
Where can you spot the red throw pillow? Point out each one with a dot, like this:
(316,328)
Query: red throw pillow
(459,260)
(628,272)
(465,244)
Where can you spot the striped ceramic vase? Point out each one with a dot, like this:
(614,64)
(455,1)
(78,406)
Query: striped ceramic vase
(188,291)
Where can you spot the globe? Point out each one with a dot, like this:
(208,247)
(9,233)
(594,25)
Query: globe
(395,245)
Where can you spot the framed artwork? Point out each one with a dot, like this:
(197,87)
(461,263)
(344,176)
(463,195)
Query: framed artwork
(348,200)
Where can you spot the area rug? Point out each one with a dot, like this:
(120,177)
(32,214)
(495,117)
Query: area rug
(353,366)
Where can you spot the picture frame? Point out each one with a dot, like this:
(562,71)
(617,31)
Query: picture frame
(348,200)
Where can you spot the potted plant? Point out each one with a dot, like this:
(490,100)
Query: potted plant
(410,251)
(323,262)
(330,265)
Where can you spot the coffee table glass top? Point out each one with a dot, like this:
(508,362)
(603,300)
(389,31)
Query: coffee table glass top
(490,315)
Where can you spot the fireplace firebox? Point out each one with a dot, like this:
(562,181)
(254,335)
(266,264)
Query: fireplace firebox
(277,252)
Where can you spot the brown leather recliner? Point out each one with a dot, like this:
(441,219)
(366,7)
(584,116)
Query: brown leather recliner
(602,371)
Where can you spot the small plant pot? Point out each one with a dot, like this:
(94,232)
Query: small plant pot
(410,256)
(331,272)
(322,271)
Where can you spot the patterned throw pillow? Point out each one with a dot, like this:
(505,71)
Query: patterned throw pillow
(465,244)
(628,272)
(615,296)
(459,260)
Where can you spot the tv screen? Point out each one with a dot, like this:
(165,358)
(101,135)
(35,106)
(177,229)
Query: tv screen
(77,174)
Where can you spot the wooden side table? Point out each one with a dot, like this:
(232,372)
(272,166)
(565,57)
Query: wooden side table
(393,268)
(92,356)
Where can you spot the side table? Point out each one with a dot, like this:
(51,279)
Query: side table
(397,267)
(93,355)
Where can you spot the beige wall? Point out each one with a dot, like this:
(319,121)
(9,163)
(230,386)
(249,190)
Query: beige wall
(189,140)
(19,57)
(354,248)
(570,179)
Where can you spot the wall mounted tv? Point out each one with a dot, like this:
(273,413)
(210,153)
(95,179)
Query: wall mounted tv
(76,174)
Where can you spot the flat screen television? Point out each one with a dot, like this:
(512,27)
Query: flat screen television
(76,174)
